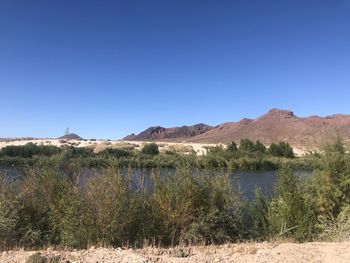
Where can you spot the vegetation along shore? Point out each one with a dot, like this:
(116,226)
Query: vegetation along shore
(53,203)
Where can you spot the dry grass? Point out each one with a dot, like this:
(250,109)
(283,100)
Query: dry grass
(182,148)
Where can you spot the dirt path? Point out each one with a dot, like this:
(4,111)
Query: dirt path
(255,252)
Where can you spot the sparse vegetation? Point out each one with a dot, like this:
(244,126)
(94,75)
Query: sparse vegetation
(40,258)
(282,149)
(250,156)
(150,148)
(191,204)
(29,150)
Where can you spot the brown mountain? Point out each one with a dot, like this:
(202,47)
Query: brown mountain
(280,125)
(169,134)
(276,125)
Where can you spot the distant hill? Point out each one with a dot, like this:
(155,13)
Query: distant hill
(276,125)
(176,133)
(71,136)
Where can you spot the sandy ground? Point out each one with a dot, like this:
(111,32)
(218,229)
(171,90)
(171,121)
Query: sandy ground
(99,145)
(335,252)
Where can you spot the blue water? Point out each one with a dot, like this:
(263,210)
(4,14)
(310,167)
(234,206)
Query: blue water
(244,181)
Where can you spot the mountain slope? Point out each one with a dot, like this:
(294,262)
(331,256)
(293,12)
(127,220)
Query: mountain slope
(280,125)
(175,133)
(276,125)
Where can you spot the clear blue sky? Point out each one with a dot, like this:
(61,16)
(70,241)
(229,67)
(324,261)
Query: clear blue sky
(109,68)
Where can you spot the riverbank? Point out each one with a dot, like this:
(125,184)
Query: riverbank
(56,203)
(335,252)
(100,145)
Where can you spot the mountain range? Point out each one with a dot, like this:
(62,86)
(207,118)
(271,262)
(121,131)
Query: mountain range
(276,125)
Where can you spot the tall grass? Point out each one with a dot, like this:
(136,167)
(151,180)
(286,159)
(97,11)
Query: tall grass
(47,207)
(53,205)
(196,207)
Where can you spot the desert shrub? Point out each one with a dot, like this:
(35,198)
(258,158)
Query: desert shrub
(107,201)
(181,148)
(332,181)
(120,211)
(309,163)
(71,219)
(150,148)
(291,212)
(215,150)
(8,217)
(125,146)
(335,145)
(330,189)
(114,152)
(210,162)
(253,163)
(257,216)
(195,207)
(99,147)
(6,225)
(29,150)
(232,148)
(193,202)
(336,229)
(246,146)
(40,258)
(76,152)
(216,157)
(41,191)
(171,152)
(259,147)
(282,149)
(37,258)
(81,152)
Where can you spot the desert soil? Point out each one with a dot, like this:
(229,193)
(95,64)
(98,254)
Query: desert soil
(334,252)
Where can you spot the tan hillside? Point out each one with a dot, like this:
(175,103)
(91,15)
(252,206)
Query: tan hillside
(281,125)
(276,125)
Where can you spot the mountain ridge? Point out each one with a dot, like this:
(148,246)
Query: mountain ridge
(173,133)
(273,126)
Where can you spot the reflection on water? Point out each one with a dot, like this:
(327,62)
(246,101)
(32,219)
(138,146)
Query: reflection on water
(248,181)
(244,181)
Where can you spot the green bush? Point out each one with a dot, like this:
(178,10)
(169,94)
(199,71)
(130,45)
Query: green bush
(150,148)
(193,202)
(118,153)
(282,149)
(291,212)
(259,147)
(330,184)
(8,217)
(257,216)
(336,229)
(246,146)
(29,150)
(232,148)
(196,207)
(39,258)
